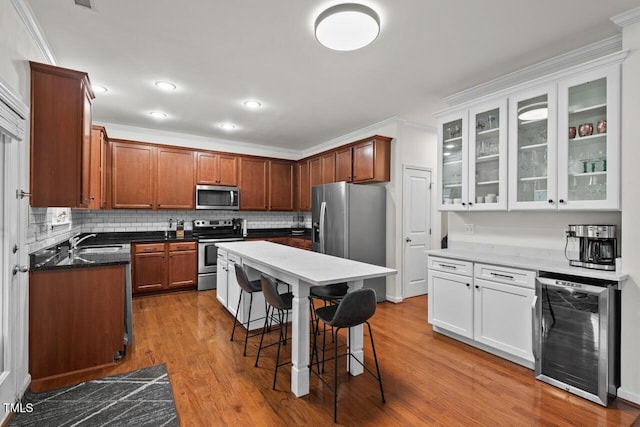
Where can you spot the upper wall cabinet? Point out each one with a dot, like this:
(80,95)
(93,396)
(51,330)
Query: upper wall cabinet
(560,150)
(589,140)
(533,142)
(372,160)
(254,192)
(567,156)
(60,137)
(473,153)
(217,169)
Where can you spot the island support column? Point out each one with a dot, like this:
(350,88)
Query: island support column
(300,339)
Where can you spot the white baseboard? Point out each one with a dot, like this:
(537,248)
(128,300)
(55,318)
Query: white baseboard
(393,299)
(628,395)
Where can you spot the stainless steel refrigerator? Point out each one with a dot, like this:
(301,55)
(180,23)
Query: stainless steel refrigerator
(349,221)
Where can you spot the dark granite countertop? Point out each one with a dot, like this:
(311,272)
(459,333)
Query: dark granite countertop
(59,256)
(136,237)
(303,233)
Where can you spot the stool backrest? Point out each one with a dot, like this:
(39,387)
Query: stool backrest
(270,292)
(241,277)
(355,308)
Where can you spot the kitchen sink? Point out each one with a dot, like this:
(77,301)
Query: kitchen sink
(99,249)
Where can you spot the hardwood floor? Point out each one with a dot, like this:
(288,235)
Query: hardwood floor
(428,379)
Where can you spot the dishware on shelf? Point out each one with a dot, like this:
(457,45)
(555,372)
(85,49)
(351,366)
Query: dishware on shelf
(572,132)
(479,199)
(585,129)
(490,198)
(491,121)
(601,127)
(457,201)
(448,201)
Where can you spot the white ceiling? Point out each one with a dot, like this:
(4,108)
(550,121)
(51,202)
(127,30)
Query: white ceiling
(222,52)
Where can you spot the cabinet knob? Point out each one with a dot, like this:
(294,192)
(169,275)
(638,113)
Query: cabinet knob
(561,201)
(464,204)
(550,200)
(477,287)
(470,203)
(468,285)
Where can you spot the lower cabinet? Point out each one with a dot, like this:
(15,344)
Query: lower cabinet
(160,267)
(222,278)
(75,321)
(489,306)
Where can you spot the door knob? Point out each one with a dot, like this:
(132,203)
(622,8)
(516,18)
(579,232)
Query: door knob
(407,240)
(20,268)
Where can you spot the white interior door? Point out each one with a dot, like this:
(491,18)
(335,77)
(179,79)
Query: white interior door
(416,198)
(14,377)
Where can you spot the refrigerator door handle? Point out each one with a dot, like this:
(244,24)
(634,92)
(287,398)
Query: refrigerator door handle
(323,213)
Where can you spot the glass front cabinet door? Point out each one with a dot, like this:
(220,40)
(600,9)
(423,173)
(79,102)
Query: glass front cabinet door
(453,154)
(532,151)
(488,157)
(589,140)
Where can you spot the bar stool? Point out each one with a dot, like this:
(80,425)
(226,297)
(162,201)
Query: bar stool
(354,309)
(281,303)
(330,294)
(249,287)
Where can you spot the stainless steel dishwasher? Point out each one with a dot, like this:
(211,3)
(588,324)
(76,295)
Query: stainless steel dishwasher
(577,335)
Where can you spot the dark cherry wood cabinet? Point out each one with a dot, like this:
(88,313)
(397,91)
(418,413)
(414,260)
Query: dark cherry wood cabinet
(163,267)
(149,267)
(60,169)
(344,164)
(217,169)
(281,188)
(133,175)
(75,320)
(98,170)
(372,160)
(253,184)
(183,264)
(303,187)
(175,179)
(328,167)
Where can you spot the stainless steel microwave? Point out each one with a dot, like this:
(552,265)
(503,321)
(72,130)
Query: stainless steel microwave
(215,197)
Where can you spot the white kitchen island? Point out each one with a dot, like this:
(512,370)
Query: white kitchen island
(302,269)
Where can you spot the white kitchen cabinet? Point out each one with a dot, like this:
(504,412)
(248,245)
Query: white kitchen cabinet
(450,301)
(222,277)
(532,159)
(453,173)
(233,289)
(589,164)
(472,146)
(487,306)
(503,309)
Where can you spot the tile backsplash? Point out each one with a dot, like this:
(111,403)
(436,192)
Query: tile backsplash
(41,233)
(99,221)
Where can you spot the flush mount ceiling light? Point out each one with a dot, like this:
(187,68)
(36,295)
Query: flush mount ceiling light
(228,126)
(537,111)
(253,104)
(98,89)
(347,26)
(158,115)
(165,85)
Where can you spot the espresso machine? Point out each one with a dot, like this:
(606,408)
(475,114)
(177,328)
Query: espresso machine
(598,246)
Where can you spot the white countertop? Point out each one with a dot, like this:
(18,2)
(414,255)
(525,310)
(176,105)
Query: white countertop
(312,267)
(559,265)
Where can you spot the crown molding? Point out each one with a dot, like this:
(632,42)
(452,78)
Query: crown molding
(627,18)
(30,21)
(585,53)
(13,100)
(416,125)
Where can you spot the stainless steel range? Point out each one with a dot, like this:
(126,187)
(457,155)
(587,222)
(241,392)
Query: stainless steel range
(208,233)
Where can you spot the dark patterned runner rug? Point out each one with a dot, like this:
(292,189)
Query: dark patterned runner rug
(139,398)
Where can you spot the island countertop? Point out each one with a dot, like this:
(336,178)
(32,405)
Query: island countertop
(312,267)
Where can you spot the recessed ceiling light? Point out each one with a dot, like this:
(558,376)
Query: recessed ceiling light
(98,88)
(347,26)
(252,104)
(228,126)
(158,115)
(165,85)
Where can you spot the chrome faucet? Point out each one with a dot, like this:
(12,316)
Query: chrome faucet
(75,241)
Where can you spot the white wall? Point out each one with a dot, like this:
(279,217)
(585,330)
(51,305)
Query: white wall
(630,388)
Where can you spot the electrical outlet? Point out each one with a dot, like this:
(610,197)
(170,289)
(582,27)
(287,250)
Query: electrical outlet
(469,228)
